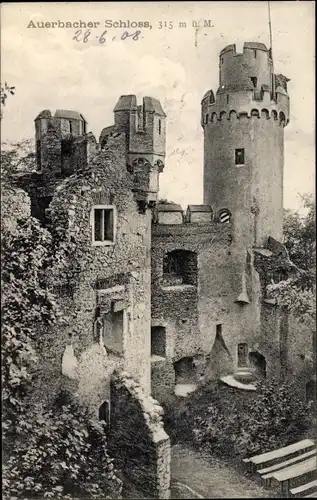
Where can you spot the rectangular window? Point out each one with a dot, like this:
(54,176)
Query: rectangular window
(239,156)
(242,354)
(103,225)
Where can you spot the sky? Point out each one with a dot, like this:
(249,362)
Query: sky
(52,70)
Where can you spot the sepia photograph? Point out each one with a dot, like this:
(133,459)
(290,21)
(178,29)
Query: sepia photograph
(158,250)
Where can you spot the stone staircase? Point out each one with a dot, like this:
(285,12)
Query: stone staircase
(245,375)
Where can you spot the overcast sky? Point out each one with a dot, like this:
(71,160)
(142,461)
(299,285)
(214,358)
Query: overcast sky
(51,70)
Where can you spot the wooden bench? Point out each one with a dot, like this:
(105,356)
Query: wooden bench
(285,476)
(303,488)
(271,456)
(267,473)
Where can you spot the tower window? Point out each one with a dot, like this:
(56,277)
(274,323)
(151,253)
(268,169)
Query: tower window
(103,224)
(222,60)
(239,156)
(66,148)
(224,216)
(70,127)
(38,155)
(242,354)
(254,81)
(227,98)
(159,127)
(255,53)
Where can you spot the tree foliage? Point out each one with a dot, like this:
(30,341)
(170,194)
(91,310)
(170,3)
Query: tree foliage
(57,451)
(63,455)
(239,424)
(6,90)
(300,234)
(298,293)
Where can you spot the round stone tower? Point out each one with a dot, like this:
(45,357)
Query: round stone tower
(244,144)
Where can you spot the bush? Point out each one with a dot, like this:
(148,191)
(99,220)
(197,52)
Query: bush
(61,453)
(231,423)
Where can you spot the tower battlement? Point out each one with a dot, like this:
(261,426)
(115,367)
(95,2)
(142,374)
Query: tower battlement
(247,85)
(244,142)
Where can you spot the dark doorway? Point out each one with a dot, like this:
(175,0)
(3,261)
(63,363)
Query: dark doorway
(257,361)
(104,412)
(158,341)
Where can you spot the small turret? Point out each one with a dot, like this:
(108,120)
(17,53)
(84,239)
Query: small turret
(144,126)
(55,136)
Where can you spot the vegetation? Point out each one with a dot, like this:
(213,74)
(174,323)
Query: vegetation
(54,451)
(6,90)
(298,293)
(229,423)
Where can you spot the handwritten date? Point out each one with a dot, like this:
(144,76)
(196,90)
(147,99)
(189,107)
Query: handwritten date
(82,36)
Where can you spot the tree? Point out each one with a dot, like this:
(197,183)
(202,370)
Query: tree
(300,234)
(5,91)
(297,293)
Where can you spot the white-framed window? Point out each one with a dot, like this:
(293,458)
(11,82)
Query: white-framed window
(103,222)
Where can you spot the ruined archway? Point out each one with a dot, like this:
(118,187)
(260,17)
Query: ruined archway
(258,363)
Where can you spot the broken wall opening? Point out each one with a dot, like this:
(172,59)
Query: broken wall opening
(258,363)
(158,341)
(182,265)
(113,330)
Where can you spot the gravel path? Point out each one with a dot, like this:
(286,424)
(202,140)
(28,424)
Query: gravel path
(209,477)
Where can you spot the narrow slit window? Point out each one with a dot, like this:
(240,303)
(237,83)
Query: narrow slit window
(254,81)
(227,98)
(70,127)
(103,222)
(255,53)
(160,127)
(239,156)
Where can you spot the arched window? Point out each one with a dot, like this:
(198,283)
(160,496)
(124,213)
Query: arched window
(282,118)
(274,114)
(224,216)
(223,115)
(214,117)
(104,412)
(207,118)
(255,112)
(265,114)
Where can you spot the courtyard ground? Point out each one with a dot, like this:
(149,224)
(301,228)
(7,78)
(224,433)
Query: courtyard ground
(197,475)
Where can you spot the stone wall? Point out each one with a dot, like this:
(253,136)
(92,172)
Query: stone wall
(93,282)
(137,439)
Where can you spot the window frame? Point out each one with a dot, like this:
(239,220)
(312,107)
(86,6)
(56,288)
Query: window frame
(235,157)
(103,242)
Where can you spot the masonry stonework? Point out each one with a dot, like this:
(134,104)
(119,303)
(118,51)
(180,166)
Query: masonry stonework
(170,297)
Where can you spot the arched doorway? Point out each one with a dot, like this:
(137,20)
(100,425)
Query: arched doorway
(104,413)
(185,376)
(258,362)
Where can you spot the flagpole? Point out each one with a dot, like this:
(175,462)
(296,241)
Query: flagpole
(271,49)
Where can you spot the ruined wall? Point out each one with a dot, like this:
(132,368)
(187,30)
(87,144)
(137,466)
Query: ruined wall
(191,313)
(137,439)
(92,281)
(301,353)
